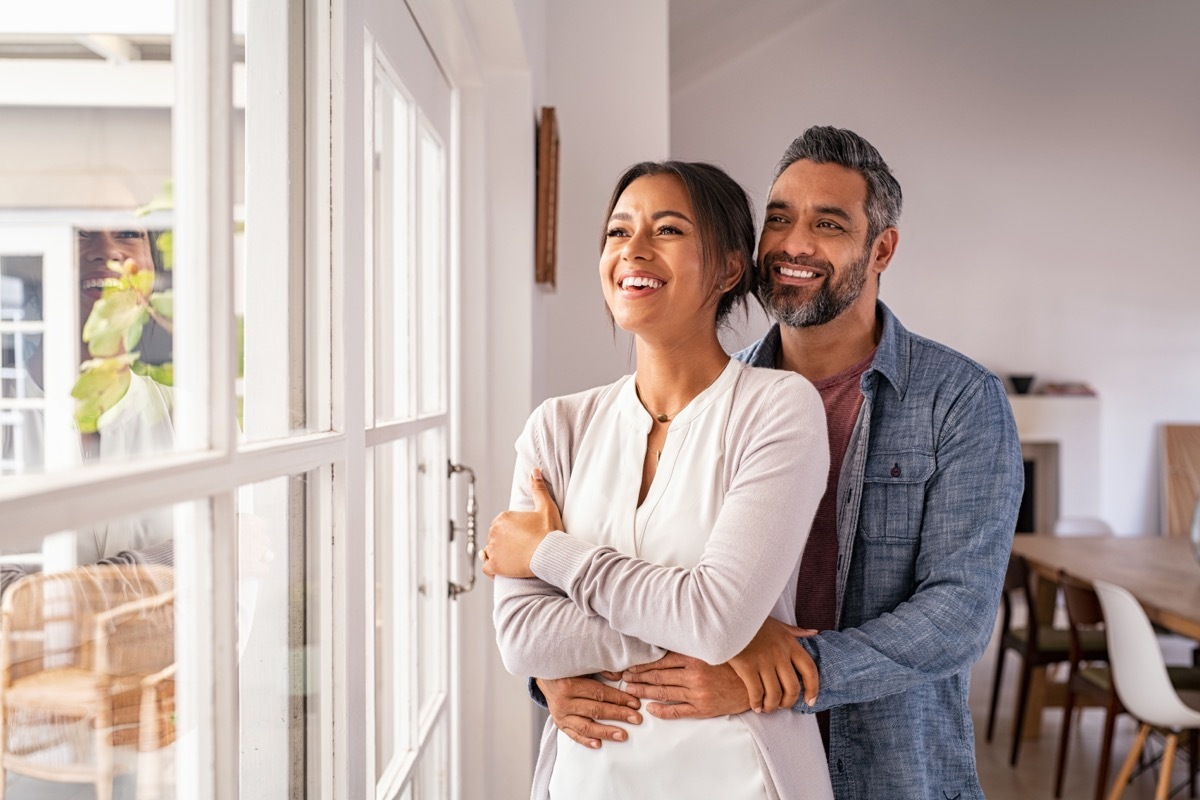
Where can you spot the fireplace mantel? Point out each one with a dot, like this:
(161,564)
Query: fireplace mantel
(1073,422)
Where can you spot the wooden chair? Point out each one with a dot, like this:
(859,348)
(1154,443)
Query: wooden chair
(1093,681)
(1037,644)
(76,648)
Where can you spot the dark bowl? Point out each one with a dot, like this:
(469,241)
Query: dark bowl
(1021,383)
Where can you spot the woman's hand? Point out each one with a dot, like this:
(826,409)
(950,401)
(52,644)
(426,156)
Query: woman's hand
(515,535)
(768,667)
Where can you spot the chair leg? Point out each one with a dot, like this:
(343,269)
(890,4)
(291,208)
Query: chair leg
(1022,702)
(991,726)
(1110,724)
(1127,768)
(1168,760)
(1193,761)
(1060,765)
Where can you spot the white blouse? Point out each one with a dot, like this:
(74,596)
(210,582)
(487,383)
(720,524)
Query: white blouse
(662,758)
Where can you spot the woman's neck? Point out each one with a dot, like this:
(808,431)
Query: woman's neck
(669,376)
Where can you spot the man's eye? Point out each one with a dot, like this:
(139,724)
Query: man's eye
(130,234)
(829,225)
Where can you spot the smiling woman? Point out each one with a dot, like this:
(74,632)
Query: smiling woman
(683,487)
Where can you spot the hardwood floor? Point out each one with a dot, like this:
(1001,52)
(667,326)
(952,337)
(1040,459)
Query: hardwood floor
(1033,777)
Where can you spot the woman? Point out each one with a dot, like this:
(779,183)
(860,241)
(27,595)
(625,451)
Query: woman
(687,490)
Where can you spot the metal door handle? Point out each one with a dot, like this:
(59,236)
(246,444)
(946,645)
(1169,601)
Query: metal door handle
(472,509)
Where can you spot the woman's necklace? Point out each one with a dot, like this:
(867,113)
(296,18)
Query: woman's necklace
(664,418)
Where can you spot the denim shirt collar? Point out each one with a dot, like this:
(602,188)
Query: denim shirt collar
(891,356)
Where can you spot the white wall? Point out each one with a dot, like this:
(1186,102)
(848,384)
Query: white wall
(607,75)
(1048,153)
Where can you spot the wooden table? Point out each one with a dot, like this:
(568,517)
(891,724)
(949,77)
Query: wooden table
(1162,573)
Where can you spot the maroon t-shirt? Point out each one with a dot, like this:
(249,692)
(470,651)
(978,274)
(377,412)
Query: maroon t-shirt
(816,590)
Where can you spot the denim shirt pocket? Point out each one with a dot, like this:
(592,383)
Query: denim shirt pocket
(894,494)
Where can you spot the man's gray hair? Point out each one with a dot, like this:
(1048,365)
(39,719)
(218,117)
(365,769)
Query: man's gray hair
(823,144)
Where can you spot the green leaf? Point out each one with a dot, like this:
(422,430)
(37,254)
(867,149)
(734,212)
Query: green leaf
(164,303)
(102,383)
(165,242)
(108,326)
(159,373)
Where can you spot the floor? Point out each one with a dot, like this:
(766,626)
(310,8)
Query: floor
(1033,777)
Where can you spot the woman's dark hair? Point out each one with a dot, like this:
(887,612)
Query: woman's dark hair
(724,221)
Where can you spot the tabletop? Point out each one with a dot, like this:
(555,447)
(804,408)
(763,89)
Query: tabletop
(1163,573)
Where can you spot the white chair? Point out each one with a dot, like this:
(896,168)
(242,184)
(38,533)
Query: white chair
(1143,686)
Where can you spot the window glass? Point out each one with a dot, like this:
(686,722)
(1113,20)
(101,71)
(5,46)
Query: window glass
(87,309)
(87,687)
(275,639)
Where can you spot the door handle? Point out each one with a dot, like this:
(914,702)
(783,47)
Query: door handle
(472,510)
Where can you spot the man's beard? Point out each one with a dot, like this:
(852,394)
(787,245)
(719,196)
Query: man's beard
(782,301)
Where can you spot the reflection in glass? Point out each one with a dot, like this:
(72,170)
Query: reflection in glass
(87,660)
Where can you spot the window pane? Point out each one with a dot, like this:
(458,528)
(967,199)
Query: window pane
(90,668)
(271,290)
(394,523)
(433,266)
(85,240)
(274,637)
(394,275)
(432,576)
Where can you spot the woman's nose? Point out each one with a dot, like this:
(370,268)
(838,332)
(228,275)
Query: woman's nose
(637,247)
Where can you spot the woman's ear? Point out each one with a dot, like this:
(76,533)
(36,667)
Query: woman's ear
(735,267)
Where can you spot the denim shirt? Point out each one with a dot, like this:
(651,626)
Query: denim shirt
(927,506)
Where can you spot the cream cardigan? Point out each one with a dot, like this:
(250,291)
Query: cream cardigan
(593,608)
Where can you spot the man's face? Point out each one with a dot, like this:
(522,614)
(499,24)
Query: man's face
(96,249)
(813,255)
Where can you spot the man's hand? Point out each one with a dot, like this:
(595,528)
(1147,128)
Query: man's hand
(695,689)
(576,703)
(762,677)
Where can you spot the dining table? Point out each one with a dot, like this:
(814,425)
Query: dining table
(1162,572)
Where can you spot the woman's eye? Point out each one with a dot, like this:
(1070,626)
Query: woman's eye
(611,232)
(671,229)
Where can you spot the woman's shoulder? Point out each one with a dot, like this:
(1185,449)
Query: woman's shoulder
(572,411)
(758,385)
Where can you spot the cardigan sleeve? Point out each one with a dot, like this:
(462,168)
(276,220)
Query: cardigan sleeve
(711,611)
(538,630)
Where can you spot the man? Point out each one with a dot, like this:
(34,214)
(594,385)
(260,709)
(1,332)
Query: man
(906,559)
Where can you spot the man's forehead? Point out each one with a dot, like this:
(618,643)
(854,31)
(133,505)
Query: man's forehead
(807,183)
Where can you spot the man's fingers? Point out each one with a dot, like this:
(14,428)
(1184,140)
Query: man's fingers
(589,733)
(591,710)
(675,711)
(669,661)
(663,694)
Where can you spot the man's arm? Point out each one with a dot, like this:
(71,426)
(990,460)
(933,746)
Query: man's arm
(969,516)
(966,537)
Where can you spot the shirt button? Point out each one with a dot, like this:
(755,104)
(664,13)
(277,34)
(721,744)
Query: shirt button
(895,470)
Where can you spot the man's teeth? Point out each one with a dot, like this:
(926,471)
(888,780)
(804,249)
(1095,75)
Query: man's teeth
(639,282)
(796,273)
(101,283)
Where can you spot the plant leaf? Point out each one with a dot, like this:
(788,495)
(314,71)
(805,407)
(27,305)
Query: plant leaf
(108,326)
(102,383)
(164,303)
(159,373)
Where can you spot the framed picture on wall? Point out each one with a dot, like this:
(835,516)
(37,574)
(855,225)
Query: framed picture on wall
(547,197)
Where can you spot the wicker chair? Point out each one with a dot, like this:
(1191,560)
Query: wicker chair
(79,650)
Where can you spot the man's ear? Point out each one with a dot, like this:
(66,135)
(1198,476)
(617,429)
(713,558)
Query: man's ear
(883,249)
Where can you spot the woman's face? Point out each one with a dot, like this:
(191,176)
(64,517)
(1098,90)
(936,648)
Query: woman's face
(96,249)
(652,270)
